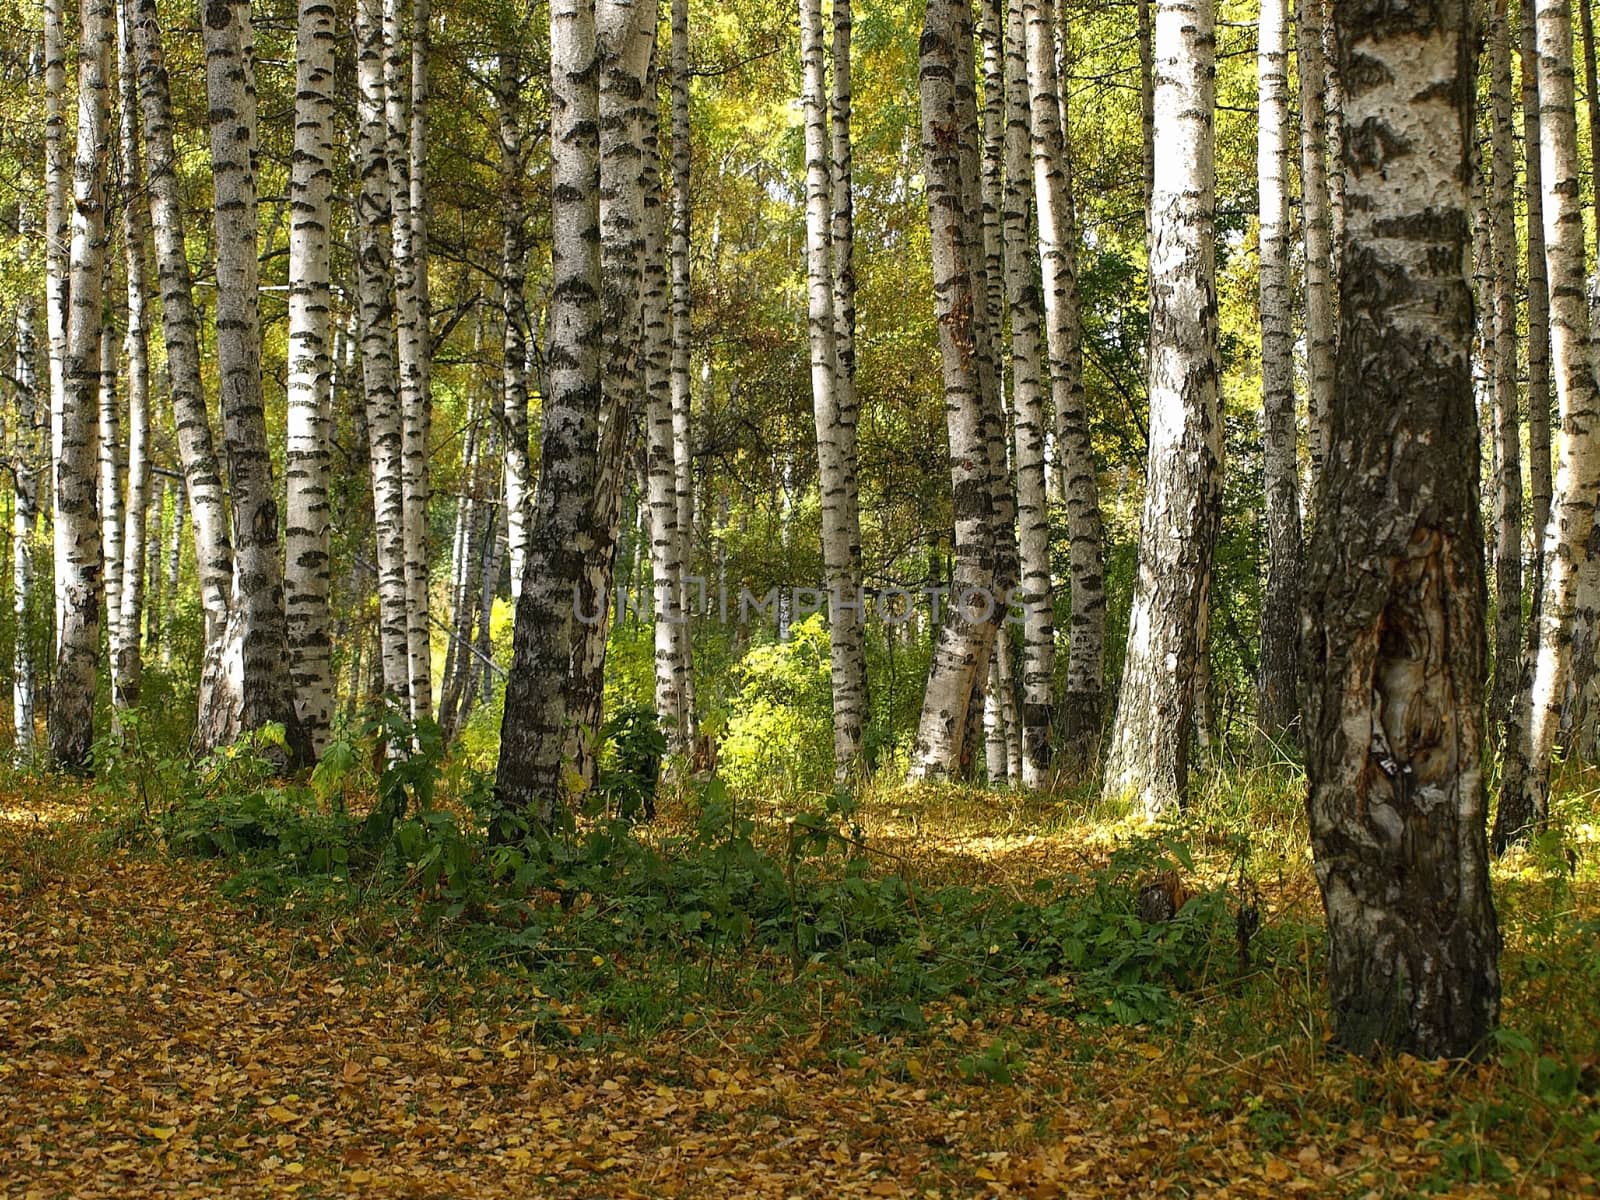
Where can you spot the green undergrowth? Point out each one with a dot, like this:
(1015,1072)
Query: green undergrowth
(753,923)
(722,910)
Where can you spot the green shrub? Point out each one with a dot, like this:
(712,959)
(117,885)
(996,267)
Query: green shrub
(782,723)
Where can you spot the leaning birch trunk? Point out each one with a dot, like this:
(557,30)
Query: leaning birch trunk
(411,332)
(841,537)
(1394,644)
(1280,607)
(28,464)
(530,786)
(1025,301)
(1525,777)
(128,667)
(949,115)
(1507,425)
(514,311)
(379,379)
(1149,758)
(248,682)
(1084,696)
(681,331)
(308,450)
(77,534)
(180,330)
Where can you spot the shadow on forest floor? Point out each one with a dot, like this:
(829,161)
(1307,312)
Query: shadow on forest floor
(158,1037)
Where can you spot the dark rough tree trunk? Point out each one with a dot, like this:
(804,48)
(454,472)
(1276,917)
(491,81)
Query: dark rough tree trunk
(1394,645)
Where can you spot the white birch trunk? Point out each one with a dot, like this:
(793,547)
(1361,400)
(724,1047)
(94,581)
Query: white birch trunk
(666,546)
(681,318)
(1280,609)
(1025,300)
(411,329)
(1525,779)
(246,686)
(180,328)
(57,211)
(1507,422)
(1321,331)
(530,785)
(308,449)
(831,407)
(77,535)
(28,468)
(1075,466)
(1149,758)
(128,652)
(110,455)
(961,655)
(1540,480)
(380,383)
(514,304)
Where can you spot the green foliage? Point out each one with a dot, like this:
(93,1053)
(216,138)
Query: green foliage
(781,727)
(571,908)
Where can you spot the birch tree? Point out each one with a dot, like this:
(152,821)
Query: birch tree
(308,451)
(1149,756)
(109,454)
(529,782)
(127,649)
(832,403)
(376,306)
(1395,639)
(626,32)
(1321,331)
(514,311)
(1540,483)
(1507,422)
(681,328)
(180,329)
(666,546)
(249,680)
(1026,303)
(1525,775)
(961,654)
(409,262)
(74,433)
(57,215)
(1083,701)
(1280,606)
(28,465)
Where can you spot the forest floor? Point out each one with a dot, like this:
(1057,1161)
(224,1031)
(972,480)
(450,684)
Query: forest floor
(159,1039)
